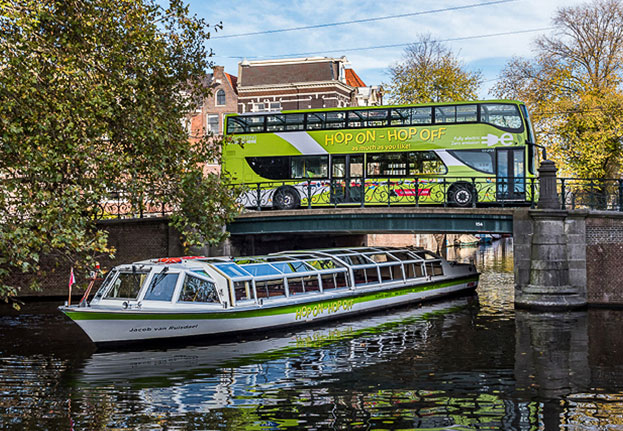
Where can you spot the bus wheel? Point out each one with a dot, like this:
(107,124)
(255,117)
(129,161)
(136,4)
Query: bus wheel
(286,198)
(461,195)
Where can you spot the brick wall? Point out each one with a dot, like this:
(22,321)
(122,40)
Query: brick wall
(604,259)
(134,240)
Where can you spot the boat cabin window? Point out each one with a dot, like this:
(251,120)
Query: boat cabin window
(390,272)
(365,276)
(243,290)
(335,280)
(413,270)
(434,268)
(270,288)
(162,287)
(127,285)
(196,289)
(298,285)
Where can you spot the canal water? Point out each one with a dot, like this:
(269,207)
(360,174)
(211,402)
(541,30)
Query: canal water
(469,363)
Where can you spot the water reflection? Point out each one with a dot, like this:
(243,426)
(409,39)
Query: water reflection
(457,364)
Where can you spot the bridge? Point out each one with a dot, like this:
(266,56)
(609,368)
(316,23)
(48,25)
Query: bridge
(374,220)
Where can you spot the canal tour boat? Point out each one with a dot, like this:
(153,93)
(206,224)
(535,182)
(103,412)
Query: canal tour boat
(213,296)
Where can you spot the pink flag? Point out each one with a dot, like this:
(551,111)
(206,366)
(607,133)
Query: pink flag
(72,280)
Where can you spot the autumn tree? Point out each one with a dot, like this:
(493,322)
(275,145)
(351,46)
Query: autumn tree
(573,89)
(93,94)
(430,72)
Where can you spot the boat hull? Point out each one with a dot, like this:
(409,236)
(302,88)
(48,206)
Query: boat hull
(143,325)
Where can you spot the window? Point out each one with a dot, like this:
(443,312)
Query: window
(505,116)
(404,164)
(310,167)
(274,106)
(445,114)
(127,285)
(480,160)
(275,123)
(425,163)
(270,288)
(335,120)
(243,290)
(434,268)
(272,168)
(220,97)
(196,289)
(212,123)
(162,287)
(387,164)
(259,107)
(466,113)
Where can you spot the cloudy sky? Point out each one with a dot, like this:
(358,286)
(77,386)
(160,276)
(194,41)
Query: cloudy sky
(372,34)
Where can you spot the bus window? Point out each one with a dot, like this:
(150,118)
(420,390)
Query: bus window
(295,121)
(236,125)
(386,164)
(505,116)
(377,118)
(425,163)
(400,116)
(338,166)
(480,160)
(310,167)
(445,114)
(357,118)
(275,123)
(466,113)
(422,115)
(315,120)
(356,166)
(335,120)
(273,168)
(256,123)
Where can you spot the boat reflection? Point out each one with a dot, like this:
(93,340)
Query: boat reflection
(199,378)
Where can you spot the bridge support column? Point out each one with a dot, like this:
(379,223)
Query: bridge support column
(550,252)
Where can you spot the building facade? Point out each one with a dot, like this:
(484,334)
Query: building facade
(210,115)
(297,83)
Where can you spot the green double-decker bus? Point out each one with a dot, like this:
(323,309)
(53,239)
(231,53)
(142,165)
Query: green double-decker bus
(451,153)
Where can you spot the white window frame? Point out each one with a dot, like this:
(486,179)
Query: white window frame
(218,124)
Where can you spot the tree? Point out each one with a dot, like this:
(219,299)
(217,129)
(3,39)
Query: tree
(573,89)
(431,72)
(93,94)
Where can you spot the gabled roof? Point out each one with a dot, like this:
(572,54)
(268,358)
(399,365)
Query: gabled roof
(353,79)
(233,81)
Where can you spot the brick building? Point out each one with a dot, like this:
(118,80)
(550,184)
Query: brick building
(210,116)
(297,83)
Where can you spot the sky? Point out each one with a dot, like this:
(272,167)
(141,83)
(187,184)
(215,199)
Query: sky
(484,34)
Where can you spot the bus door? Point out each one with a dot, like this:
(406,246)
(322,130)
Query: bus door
(346,178)
(511,174)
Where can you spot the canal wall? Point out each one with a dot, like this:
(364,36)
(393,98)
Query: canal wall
(567,259)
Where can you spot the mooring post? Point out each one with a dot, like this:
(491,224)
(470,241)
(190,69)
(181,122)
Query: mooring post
(545,255)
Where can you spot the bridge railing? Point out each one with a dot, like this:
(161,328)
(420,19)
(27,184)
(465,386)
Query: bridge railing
(593,194)
(415,191)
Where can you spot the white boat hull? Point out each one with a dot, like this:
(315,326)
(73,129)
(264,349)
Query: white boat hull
(107,326)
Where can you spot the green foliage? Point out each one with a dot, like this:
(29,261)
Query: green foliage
(431,72)
(573,89)
(93,97)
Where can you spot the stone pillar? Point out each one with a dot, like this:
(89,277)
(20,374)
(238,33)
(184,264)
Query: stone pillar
(550,252)
(548,195)
(554,244)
